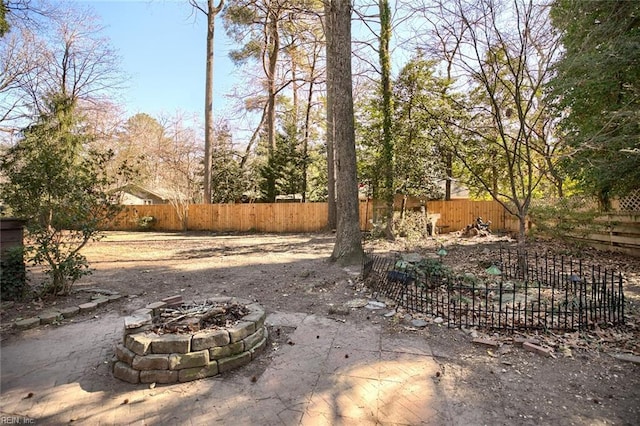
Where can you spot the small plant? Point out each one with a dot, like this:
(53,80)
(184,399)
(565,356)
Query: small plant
(433,267)
(62,268)
(13,278)
(147,222)
(471,280)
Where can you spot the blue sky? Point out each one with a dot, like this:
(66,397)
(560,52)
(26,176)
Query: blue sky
(162,48)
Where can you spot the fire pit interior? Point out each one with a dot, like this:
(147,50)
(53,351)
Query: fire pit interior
(171,341)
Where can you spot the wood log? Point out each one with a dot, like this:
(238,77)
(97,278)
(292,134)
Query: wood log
(212,313)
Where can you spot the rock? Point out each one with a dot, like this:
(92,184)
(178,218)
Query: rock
(98,290)
(375,305)
(528,346)
(438,320)
(27,323)
(356,303)
(136,321)
(7,305)
(100,301)
(390,314)
(412,257)
(49,317)
(87,306)
(521,340)
(69,312)
(486,342)
(627,358)
(124,372)
(419,323)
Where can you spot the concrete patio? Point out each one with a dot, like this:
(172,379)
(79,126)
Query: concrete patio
(331,373)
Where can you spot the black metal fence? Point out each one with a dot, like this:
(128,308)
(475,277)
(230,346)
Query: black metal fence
(524,292)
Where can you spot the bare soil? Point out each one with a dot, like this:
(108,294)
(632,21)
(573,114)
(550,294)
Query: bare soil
(582,383)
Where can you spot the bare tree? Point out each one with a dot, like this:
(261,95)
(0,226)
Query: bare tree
(69,58)
(180,165)
(501,52)
(340,122)
(19,51)
(211,11)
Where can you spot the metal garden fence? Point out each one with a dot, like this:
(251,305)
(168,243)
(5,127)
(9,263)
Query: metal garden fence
(524,292)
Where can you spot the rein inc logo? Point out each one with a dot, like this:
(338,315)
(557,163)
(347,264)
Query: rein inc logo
(16,420)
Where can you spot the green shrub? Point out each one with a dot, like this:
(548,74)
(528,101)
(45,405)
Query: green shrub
(13,275)
(147,223)
(563,217)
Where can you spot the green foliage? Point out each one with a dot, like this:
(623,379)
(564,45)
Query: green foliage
(427,269)
(13,276)
(422,107)
(251,50)
(597,86)
(284,167)
(228,180)
(566,216)
(317,175)
(59,188)
(368,136)
(420,110)
(146,222)
(4,25)
(63,264)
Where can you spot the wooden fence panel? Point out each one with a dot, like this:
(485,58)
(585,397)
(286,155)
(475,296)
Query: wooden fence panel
(199,218)
(615,232)
(292,217)
(129,219)
(457,214)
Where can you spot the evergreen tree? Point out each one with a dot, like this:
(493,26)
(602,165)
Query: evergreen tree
(598,89)
(59,188)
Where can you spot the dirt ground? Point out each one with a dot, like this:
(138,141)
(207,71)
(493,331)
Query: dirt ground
(582,383)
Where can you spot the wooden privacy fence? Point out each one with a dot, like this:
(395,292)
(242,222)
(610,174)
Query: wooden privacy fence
(614,232)
(619,232)
(455,215)
(292,217)
(255,217)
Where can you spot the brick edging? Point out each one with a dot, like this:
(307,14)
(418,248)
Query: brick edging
(49,316)
(147,357)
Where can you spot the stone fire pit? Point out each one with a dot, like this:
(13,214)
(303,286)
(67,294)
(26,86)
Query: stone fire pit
(171,341)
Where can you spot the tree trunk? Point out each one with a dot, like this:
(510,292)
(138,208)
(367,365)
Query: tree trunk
(387,137)
(209,135)
(274,50)
(331,165)
(448,158)
(305,145)
(332,221)
(348,246)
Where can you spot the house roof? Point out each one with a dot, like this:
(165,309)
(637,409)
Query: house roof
(138,190)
